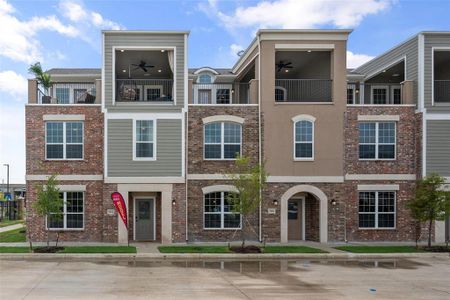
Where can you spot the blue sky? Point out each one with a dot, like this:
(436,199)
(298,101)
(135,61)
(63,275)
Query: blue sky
(66,33)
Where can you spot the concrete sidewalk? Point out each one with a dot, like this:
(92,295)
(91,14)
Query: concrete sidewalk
(11,227)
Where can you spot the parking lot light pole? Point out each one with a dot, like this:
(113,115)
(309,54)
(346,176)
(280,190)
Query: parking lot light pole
(7,177)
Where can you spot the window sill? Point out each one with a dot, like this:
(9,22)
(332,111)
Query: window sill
(219,159)
(377,159)
(303,103)
(65,159)
(144,159)
(382,229)
(66,229)
(303,159)
(222,229)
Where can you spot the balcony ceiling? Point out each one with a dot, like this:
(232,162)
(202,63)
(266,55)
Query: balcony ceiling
(306,65)
(394,74)
(156,58)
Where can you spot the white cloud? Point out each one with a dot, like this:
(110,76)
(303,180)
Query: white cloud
(235,49)
(15,85)
(296,14)
(355,60)
(77,13)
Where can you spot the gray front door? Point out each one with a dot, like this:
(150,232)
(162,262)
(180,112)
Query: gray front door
(144,218)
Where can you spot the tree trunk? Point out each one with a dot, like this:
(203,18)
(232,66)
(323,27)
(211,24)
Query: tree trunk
(429,232)
(242,232)
(48,237)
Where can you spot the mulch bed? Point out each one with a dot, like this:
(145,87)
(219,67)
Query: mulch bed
(441,249)
(246,249)
(48,249)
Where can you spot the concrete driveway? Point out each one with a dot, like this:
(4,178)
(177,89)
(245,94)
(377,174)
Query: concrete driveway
(427,278)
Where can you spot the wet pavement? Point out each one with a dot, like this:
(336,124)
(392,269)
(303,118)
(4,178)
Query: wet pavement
(427,278)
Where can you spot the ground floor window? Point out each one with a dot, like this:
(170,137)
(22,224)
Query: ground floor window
(218,212)
(71,215)
(377,209)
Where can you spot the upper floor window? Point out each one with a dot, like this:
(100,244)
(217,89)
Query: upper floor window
(63,95)
(204,78)
(64,140)
(379,95)
(223,96)
(377,140)
(304,139)
(218,212)
(377,209)
(71,215)
(222,140)
(280,93)
(144,140)
(351,93)
(396,95)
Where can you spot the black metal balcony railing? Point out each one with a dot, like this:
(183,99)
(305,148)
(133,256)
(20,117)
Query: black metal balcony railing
(67,93)
(303,90)
(221,93)
(144,90)
(442,91)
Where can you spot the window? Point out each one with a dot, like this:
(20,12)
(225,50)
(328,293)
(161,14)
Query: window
(396,95)
(64,140)
(204,96)
(62,95)
(304,139)
(218,212)
(204,78)
(72,212)
(377,140)
(223,96)
(280,93)
(144,140)
(350,95)
(153,93)
(377,209)
(222,140)
(78,95)
(379,95)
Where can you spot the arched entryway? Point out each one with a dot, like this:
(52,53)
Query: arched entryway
(290,194)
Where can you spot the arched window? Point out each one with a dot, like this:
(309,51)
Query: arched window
(303,137)
(218,211)
(280,94)
(222,140)
(204,78)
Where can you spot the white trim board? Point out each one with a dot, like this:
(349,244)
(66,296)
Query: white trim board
(378,118)
(380,176)
(304,46)
(72,188)
(63,117)
(309,179)
(139,180)
(65,177)
(223,118)
(442,117)
(141,116)
(219,188)
(378,187)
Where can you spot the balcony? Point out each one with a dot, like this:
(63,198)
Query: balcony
(144,90)
(303,90)
(67,93)
(442,91)
(221,93)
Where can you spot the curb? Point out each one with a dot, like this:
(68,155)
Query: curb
(206,256)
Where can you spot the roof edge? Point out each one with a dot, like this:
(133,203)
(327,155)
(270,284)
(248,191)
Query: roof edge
(146,32)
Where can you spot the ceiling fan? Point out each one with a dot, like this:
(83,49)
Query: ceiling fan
(283,65)
(142,65)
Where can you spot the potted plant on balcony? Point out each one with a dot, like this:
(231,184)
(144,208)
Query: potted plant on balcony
(44,79)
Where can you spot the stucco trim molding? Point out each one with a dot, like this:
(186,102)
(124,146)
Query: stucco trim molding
(379,118)
(380,177)
(63,117)
(219,188)
(378,187)
(323,204)
(72,188)
(303,117)
(156,180)
(208,177)
(223,118)
(304,46)
(65,177)
(300,179)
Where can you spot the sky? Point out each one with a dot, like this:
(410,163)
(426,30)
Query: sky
(67,33)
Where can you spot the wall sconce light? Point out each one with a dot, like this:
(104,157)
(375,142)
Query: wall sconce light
(174,202)
(275,202)
(333,202)
(357,91)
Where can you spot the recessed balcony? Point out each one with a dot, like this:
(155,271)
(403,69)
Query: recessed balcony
(67,93)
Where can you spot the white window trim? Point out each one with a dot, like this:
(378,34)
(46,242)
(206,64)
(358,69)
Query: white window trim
(210,74)
(135,158)
(136,87)
(64,228)
(373,87)
(222,213)
(222,141)
(64,143)
(393,88)
(377,212)
(230,91)
(156,87)
(284,91)
(312,120)
(433,50)
(377,143)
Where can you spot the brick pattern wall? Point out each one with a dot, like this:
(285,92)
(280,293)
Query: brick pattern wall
(418,149)
(179,213)
(196,163)
(406,142)
(195,220)
(110,223)
(35,141)
(312,219)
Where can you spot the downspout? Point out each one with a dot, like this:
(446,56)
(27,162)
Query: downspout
(185,130)
(259,133)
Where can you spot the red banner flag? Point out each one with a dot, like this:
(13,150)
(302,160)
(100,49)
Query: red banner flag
(119,203)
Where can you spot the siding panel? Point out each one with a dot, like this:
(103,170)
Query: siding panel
(438,147)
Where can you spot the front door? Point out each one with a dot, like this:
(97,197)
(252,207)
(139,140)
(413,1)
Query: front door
(295,219)
(144,219)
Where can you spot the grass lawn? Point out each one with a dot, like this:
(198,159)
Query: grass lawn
(99,249)
(14,250)
(380,249)
(194,249)
(291,249)
(5,223)
(13,236)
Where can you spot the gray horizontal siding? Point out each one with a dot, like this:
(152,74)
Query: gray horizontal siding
(120,150)
(408,49)
(433,40)
(153,40)
(438,147)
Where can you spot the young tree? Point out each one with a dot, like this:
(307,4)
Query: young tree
(431,202)
(249,180)
(49,203)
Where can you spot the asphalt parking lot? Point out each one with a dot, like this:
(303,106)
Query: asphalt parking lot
(427,278)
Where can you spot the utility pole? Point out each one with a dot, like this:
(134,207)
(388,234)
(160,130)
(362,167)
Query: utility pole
(7,177)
